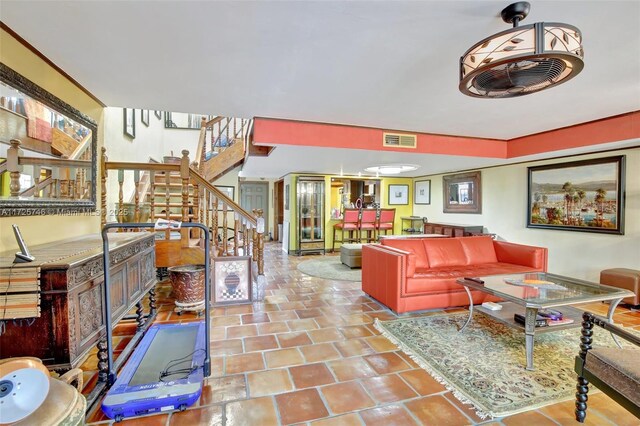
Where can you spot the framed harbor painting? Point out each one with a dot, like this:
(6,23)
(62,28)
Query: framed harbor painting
(587,195)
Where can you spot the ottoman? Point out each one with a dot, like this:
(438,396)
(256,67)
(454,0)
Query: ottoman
(628,279)
(351,255)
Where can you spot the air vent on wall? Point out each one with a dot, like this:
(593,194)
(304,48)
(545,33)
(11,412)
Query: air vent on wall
(399,140)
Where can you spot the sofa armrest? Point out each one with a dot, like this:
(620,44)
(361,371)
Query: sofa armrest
(520,254)
(384,273)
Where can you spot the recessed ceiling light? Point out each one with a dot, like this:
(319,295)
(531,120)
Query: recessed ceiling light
(391,169)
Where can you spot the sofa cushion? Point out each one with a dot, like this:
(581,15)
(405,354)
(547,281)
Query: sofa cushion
(444,252)
(618,368)
(427,280)
(479,250)
(411,245)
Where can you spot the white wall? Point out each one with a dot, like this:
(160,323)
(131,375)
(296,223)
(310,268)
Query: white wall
(576,254)
(151,141)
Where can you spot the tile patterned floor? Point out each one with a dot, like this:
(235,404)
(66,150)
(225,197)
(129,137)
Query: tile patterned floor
(310,355)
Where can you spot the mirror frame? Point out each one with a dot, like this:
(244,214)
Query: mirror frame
(475,207)
(33,207)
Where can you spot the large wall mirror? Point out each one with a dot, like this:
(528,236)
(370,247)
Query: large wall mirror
(462,193)
(47,151)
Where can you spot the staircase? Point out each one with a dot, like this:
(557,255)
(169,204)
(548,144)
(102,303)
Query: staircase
(180,192)
(222,145)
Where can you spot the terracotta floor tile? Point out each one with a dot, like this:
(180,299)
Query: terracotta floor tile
(351,368)
(563,413)
(273,327)
(529,418)
(289,340)
(241,331)
(345,397)
(465,408)
(301,406)
(283,358)
(223,389)
(218,333)
(357,319)
(389,388)
(408,359)
(243,363)
(390,415)
(325,335)
(302,324)
(226,347)
(217,366)
(260,343)
(346,420)
(380,344)
(355,331)
(373,330)
(608,408)
(422,382)
(305,376)
(155,420)
(283,316)
(354,347)
(382,315)
(239,309)
(269,382)
(255,411)
(436,410)
(225,321)
(287,306)
(309,313)
(388,362)
(320,352)
(255,318)
(206,416)
(330,321)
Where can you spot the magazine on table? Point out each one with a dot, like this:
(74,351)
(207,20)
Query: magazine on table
(528,282)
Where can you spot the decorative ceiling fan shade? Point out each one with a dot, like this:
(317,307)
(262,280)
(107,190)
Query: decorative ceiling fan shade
(522,60)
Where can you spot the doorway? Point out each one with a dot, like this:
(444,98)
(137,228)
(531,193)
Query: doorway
(278,209)
(255,195)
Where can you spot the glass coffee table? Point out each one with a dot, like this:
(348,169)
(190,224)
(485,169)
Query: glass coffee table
(527,293)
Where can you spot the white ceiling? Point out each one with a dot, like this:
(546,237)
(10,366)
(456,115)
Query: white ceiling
(387,64)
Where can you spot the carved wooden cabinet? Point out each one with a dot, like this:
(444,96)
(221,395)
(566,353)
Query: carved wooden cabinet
(71,295)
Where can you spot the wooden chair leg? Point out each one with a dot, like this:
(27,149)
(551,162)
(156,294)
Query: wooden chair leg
(582,388)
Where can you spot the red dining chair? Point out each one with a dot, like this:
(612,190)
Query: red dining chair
(386,220)
(349,224)
(368,224)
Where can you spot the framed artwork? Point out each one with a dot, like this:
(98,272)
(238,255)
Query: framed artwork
(586,195)
(158,114)
(181,120)
(462,193)
(286,197)
(422,192)
(231,280)
(144,116)
(229,191)
(130,122)
(398,195)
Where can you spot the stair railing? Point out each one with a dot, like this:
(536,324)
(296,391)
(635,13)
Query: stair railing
(218,134)
(187,196)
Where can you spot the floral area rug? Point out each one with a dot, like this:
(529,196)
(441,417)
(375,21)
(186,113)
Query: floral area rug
(484,364)
(330,268)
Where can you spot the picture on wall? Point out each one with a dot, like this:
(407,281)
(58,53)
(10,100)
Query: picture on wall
(229,191)
(231,279)
(585,195)
(422,192)
(130,122)
(398,195)
(144,117)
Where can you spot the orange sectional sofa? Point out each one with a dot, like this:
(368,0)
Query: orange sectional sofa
(420,273)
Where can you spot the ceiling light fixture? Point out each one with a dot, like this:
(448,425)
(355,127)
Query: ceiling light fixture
(391,169)
(521,60)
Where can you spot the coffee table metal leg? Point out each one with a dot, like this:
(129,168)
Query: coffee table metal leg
(612,308)
(470,309)
(529,331)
